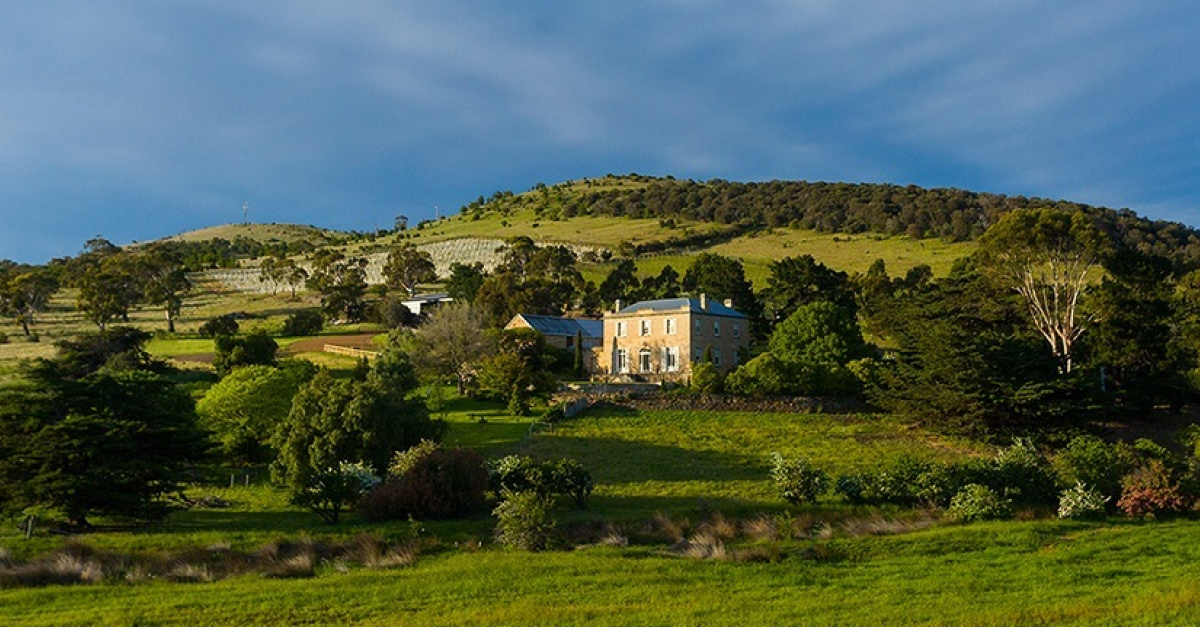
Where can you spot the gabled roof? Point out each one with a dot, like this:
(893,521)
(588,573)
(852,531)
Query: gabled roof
(715,307)
(427,298)
(551,325)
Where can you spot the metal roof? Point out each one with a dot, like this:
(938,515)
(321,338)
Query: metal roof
(551,325)
(715,307)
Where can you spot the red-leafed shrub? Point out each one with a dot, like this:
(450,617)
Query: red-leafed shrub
(1152,491)
(447,483)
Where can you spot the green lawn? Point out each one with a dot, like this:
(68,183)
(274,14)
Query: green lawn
(656,465)
(986,574)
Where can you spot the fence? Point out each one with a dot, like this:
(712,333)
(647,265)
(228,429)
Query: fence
(356,353)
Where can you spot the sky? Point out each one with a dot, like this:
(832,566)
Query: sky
(141,119)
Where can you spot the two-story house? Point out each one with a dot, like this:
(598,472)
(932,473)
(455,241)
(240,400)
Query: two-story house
(659,340)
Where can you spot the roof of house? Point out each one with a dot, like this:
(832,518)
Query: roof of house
(715,307)
(427,298)
(551,325)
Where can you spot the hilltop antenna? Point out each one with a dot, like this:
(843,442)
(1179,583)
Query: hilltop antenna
(245,213)
(437,213)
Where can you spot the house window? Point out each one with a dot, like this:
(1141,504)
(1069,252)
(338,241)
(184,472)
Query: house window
(620,329)
(645,327)
(669,326)
(717,357)
(671,358)
(737,357)
(716,328)
(736,329)
(697,355)
(622,360)
(698,330)
(644,360)
(570,341)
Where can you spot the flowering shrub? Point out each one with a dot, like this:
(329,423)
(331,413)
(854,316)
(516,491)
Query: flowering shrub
(979,502)
(797,480)
(333,490)
(1151,491)
(519,473)
(1081,503)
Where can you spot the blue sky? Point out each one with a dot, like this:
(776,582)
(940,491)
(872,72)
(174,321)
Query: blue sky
(136,120)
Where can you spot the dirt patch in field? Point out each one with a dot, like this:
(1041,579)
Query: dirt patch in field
(361,341)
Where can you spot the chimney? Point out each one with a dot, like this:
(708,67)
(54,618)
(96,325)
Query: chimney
(729,303)
(617,306)
(704,302)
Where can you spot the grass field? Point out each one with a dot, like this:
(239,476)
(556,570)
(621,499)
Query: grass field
(994,574)
(681,466)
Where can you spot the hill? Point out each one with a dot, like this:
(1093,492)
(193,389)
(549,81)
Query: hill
(260,233)
(641,215)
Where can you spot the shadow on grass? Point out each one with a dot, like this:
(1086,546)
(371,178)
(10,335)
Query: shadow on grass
(613,460)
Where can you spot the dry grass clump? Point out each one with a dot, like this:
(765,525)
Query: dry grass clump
(703,545)
(77,563)
(877,525)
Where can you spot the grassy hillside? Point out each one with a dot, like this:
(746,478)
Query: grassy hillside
(658,474)
(259,233)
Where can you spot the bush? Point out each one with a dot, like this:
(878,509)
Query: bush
(852,487)
(516,473)
(519,473)
(706,379)
(524,521)
(568,477)
(898,481)
(3,337)
(1152,491)
(305,322)
(762,376)
(406,460)
(797,480)
(1089,460)
(439,484)
(254,349)
(979,502)
(1082,503)
(220,326)
(1020,473)
(332,490)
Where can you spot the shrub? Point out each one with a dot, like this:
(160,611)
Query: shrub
(762,376)
(406,460)
(979,502)
(304,322)
(1081,503)
(439,484)
(568,477)
(516,473)
(254,349)
(220,326)
(706,379)
(3,337)
(897,482)
(1089,460)
(1152,491)
(330,491)
(519,473)
(1021,473)
(797,480)
(524,521)
(852,487)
